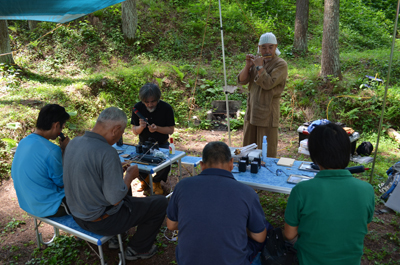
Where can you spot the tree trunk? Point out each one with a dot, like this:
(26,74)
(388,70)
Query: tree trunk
(32,24)
(330,64)
(301,26)
(5,43)
(129,20)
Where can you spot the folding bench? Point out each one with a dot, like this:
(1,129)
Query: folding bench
(193,161)
(68,224)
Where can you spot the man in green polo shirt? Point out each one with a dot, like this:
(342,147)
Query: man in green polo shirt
(330,213)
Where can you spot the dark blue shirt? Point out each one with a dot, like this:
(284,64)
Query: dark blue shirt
(213,211)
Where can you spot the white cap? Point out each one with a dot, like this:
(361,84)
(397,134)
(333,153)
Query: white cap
(268,37)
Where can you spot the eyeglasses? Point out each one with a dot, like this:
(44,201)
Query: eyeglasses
(150,102)
(279,172)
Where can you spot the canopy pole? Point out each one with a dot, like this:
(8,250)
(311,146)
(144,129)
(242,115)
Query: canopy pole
(223,58)
(386,90)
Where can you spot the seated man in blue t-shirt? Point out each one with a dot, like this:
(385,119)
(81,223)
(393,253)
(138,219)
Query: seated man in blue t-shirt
(220,220)
(37,169)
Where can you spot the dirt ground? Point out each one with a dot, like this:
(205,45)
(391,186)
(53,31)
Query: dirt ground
(17,245)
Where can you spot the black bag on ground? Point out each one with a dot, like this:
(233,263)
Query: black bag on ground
(278,252)
(365,149)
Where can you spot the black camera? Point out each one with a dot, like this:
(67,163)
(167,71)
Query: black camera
(149,145)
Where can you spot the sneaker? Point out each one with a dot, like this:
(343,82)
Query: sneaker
(130,254)
(113,243)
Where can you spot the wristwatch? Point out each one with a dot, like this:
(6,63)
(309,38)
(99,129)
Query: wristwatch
(259,67)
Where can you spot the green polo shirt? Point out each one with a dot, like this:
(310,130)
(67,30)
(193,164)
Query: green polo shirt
(332,212)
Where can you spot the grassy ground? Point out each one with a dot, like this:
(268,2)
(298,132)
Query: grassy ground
(17,240)
(85,66)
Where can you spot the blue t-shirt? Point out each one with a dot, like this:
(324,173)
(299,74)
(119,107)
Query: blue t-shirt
(37,173)
(213,211)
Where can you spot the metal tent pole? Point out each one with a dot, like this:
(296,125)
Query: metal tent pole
(386,89)
(223,58)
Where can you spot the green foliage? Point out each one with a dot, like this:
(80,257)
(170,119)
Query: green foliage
(12,225)
(236,123)
(388,7)
(359,25)
(277,17)
(205,124)
(13,125)
(10,74)
(178,72)
(63,250)
(86,66)
(10,143)
(377,255)
(274,206)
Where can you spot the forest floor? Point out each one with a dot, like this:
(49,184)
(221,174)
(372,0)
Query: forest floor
(18,240)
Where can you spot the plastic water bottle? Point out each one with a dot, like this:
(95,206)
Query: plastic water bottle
(171,146)
(264,149)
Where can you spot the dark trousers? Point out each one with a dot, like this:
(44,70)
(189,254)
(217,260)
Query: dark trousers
(253,247)
(160,175)
(62,210)
(146,213)
(254,134)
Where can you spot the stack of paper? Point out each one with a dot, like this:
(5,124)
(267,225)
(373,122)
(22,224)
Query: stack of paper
(287,162)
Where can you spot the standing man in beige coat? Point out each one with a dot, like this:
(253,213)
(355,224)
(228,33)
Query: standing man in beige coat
(266,76)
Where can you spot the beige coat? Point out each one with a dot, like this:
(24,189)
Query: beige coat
(265,90)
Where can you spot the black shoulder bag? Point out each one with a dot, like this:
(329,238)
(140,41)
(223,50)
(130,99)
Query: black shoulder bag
(278,252)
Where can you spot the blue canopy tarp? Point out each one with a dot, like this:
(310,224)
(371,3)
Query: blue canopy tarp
(60,11)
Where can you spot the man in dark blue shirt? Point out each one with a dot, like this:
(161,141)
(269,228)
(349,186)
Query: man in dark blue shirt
(220,220)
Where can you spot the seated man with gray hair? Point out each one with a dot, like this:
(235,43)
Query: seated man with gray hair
(96,190)
(161,124)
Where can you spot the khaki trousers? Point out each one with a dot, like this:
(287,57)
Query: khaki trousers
(254,134)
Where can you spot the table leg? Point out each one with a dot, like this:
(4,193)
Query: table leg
(180,169)
(151,184)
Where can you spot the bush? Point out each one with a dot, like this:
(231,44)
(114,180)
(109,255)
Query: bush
(362,27)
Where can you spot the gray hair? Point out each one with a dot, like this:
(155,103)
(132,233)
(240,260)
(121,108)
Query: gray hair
(149,90)
(113,114)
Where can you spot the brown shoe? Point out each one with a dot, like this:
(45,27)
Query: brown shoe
(143,185)
(157,189)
